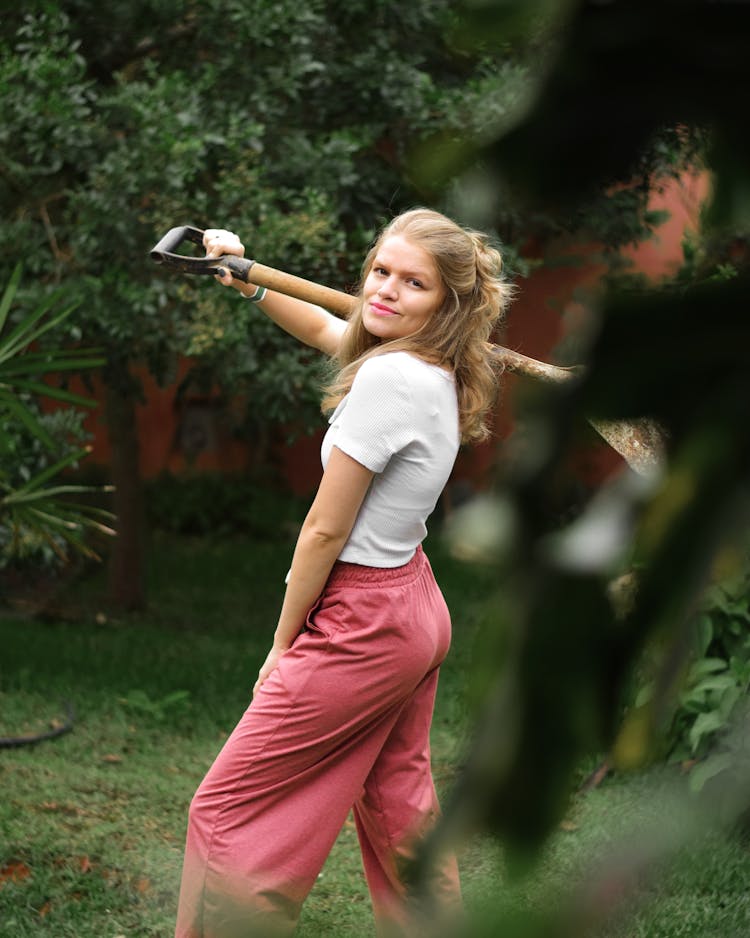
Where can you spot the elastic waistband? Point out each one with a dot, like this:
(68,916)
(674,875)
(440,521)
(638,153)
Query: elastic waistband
(355,574)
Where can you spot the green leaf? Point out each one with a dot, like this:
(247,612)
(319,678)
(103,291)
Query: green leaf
(19,335)
(729,701)
(8,294)
(46,362)
(707,666)
(31,335)
(58,394)
(709,768)
(52,519)
(719,682)
(740,667)
(24,497)
(24,416)
(705,725)
(51,471)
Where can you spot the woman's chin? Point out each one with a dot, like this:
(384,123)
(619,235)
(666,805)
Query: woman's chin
(375,329)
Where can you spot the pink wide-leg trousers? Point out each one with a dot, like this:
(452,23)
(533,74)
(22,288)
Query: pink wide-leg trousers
(342,723)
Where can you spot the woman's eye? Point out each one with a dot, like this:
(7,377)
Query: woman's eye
(416,283)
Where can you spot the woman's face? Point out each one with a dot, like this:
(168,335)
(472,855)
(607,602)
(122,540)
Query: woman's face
(402,291)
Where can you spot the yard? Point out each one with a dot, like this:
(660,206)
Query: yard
(92,824)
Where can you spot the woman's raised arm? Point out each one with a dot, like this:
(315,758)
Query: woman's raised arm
(312,325)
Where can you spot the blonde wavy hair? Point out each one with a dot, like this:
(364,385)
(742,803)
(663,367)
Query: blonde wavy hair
(457,335)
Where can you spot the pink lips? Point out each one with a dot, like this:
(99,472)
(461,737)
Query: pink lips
(380,310)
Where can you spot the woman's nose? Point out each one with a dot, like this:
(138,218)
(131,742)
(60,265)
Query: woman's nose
(388,287)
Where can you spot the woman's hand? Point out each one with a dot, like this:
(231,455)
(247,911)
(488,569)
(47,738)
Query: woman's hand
(268,666)
(218,241)
(311,324)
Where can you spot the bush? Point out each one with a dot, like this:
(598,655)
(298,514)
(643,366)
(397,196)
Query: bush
(716,690)
(702,729)
(214,504)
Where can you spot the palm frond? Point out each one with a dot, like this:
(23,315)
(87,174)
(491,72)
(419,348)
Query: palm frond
(8,294)
(39,506)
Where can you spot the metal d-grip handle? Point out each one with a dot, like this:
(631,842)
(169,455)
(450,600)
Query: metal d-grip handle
(165,252)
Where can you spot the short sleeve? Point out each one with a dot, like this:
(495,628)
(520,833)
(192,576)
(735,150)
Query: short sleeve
(377,421)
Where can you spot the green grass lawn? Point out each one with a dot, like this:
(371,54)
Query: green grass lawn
(92,824)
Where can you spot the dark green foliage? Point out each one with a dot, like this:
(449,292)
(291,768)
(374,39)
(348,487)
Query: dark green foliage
(619,76)
(562,683)
(37,522)
(715,691)
(286,122)
(564,651)
(221,506)
(293,124)
(619,97)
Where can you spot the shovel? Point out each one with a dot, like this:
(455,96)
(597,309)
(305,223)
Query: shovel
(638,442)
(247,271)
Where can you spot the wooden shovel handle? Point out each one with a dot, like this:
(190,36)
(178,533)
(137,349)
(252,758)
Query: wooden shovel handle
(343,303)
(334,300)
(639,442)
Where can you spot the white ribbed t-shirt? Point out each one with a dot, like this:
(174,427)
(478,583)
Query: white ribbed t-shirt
(399,420)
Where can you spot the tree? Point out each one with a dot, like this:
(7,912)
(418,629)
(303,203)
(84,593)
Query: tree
(294,123)
(288,121)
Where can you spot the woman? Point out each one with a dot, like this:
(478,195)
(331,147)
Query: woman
(341,709)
